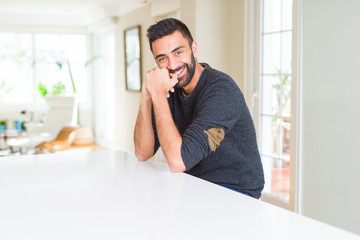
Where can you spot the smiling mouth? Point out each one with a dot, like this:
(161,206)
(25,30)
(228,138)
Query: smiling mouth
(180,71)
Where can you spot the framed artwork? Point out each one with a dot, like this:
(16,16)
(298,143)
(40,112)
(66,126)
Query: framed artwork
(132,59)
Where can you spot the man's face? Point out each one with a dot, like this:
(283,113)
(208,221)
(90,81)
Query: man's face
(174,53)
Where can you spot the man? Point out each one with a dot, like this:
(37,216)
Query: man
(197,115)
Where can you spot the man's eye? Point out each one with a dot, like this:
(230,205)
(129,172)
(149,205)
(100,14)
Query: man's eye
(178,52)
(162,59)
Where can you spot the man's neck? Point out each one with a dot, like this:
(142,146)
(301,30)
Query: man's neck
(191,86)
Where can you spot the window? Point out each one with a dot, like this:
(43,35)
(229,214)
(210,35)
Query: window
(16,61)
(28,60)
(275,111)
(105,85)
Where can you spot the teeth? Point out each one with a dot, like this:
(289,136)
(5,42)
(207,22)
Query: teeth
(178,72)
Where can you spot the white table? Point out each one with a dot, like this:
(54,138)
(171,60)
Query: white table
(110,195)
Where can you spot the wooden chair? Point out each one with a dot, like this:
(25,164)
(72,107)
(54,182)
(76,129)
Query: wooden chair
(63,141)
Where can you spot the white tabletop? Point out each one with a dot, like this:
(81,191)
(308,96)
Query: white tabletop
(110,195)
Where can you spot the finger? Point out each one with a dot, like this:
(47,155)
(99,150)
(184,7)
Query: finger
(172,90)
(173,76)
(168,95)
(173,81)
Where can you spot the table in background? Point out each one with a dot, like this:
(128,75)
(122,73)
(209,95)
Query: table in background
(5,135)
(111,195)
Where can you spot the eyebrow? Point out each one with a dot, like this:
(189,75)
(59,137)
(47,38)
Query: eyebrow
(161,55)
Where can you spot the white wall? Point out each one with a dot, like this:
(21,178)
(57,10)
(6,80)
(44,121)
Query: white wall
(236,47)
(127,101)
(212,32)
(331,112)
(219,31)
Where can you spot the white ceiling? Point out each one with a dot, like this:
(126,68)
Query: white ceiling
(62,6)
(48,6)
(27,11)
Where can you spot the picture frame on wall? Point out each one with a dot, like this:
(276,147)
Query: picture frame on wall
(132,59)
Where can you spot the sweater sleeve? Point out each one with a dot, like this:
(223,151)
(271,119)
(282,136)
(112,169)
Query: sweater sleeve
(218,110)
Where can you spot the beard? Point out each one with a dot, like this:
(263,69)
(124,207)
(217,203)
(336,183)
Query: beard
(190,71)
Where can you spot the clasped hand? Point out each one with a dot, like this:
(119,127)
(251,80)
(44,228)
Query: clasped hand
(158,82)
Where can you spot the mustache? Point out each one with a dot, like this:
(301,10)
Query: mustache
(177,69)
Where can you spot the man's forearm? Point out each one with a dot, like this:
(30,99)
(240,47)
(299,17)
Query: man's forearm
(169,137)
(144,133)
(159,83)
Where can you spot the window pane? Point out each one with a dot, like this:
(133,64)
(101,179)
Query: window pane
(48,50)
(285,138)
(270,130)
(285,91)
(75,48)
(270,95)
(268,164)
(286,46)
(286,14)
(272,15)
(105,104)
(54,54)
(16,78)
(271,53)
(276,95)
(280,180)
(277,178)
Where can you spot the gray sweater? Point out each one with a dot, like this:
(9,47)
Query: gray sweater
(219,140)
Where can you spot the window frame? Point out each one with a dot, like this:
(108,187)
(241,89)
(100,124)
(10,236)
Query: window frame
(254,75)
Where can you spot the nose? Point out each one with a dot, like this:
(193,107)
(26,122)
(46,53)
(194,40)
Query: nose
(171,64)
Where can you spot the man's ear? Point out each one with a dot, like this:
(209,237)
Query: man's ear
(194,48)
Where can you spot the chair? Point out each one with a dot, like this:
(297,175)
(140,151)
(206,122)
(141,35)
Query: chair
(63,141)
(61,113)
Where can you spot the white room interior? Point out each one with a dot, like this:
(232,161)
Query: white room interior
(326,173)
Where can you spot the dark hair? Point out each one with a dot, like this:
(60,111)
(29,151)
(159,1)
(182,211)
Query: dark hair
(166,27)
